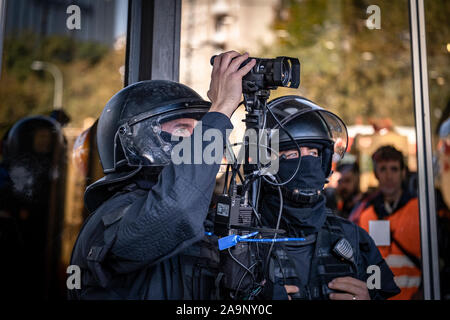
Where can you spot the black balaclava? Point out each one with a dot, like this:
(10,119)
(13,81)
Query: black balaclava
(310,177)
(308,183)
(301,215)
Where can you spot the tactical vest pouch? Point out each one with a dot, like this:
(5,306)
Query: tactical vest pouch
(333,257)
(94,258)
(236,277)
(98,252)
(333,270)
(200,266)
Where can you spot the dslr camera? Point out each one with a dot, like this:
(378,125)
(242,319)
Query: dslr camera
(268,74)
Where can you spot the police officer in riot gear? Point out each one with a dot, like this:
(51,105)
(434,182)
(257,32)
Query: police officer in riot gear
(145,236)
(34,158)
(333,261)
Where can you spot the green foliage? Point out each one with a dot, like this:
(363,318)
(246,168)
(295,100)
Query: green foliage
(91,51)
(90,71)
(438,36)
(357,72)
(305,20)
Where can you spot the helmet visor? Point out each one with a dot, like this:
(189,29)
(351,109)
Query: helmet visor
(338,133)
(287,108)
(150,142)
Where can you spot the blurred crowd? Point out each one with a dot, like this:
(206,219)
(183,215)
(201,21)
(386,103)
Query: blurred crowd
(390,212)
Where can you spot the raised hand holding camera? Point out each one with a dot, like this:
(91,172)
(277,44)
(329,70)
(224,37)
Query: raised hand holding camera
(226,81)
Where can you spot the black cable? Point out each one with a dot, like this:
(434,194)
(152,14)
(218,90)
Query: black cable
(248,180)
(266,265)
(296,145)
(256,213)
(240,176)
(259,183)
(243,276)
(232,181)
(260,132)
(281,268)
(226,179)
(240,264)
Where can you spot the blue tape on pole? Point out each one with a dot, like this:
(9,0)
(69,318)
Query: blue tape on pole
(249,235)
(228,242)
(272,240)
(232,240)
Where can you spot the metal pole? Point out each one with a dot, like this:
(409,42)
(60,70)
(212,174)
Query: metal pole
(133,54)
(166,40)
(57,76)
(428,227)
(153,40)
(58,91)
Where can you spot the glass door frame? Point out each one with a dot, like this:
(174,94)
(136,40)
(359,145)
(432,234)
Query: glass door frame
(426,194)
(153,40)
(2,30)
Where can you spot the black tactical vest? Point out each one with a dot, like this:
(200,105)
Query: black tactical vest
(195,278)
(201,267)
(333,256)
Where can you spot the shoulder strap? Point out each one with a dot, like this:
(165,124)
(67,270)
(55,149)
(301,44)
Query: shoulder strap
(410,256)
(415,260)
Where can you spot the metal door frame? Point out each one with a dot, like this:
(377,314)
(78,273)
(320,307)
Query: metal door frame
(2,30)
(153,40)
(426,194)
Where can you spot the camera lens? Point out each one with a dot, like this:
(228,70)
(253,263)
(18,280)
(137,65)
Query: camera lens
(285,72)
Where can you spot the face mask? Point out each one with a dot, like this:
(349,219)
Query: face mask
(309,178)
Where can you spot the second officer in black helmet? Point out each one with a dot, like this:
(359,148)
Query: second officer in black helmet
(337,257)
(143,238)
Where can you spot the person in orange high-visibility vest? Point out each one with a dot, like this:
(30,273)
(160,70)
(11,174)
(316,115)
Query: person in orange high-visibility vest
(392,220)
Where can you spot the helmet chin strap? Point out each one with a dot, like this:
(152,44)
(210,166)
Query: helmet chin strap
(303,197)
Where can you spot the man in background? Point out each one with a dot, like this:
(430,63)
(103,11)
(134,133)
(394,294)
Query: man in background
(392,220)
(347,190)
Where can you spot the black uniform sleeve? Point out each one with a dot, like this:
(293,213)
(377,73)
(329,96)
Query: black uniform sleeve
(371,261)
(171,216)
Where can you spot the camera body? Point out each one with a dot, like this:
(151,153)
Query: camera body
(268,74)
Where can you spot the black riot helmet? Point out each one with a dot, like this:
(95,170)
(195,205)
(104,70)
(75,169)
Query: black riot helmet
(309,125)
(37,135)
(136,127)
(34,154)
